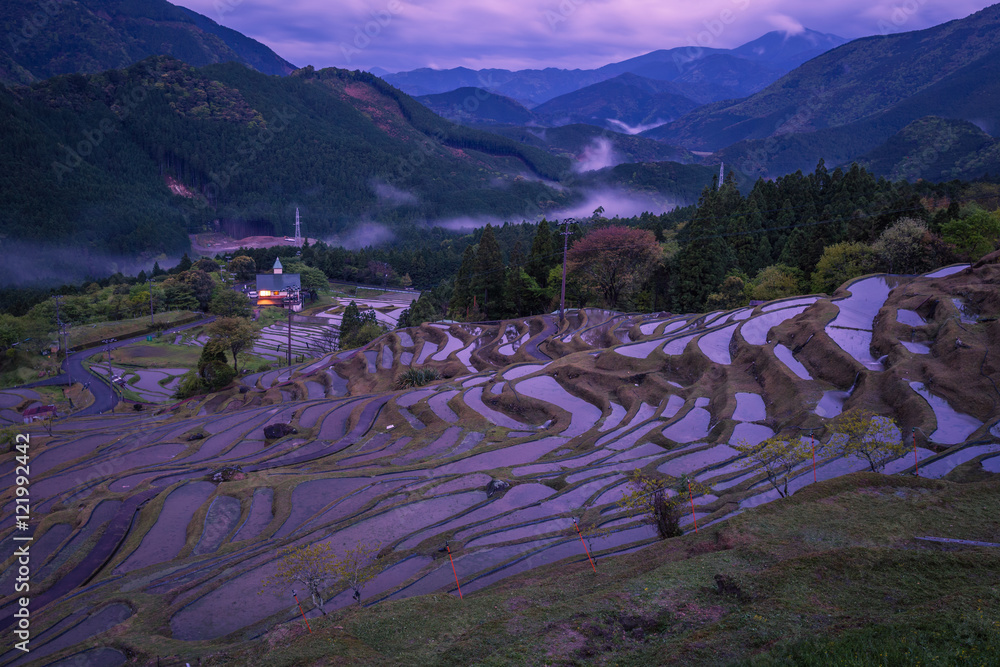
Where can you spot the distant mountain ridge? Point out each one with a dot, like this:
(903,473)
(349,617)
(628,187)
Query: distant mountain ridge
(848,101)
(622,102)
(475,106)
(89,36)
(768,56)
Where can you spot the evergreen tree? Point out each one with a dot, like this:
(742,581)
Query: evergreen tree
(213,368)
(541,257)
(522,295)
(489,275)
(461,298)
(704,259)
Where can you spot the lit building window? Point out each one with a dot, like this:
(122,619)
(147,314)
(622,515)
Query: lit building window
(265,292)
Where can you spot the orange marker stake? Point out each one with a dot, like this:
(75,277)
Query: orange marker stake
(454,571)
(585,549)
(693,517)
(294,595)
(916,463)
(812,443)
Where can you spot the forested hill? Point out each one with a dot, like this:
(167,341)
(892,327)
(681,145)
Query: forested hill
(850,100)
(44,39)
(128,160)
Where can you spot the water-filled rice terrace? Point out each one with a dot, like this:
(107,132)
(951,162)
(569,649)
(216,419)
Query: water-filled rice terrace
(133,526)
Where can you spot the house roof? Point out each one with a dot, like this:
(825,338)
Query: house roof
(278,282)
(277,263)
(39,409)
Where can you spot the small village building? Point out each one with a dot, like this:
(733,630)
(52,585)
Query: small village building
(279,288)
(38,413)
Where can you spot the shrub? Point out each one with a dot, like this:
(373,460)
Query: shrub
(190,385)
(417,377)
(874,438)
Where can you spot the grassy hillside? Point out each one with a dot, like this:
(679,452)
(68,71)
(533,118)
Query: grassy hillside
(831,575)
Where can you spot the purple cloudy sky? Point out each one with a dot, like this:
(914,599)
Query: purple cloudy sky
(516,34)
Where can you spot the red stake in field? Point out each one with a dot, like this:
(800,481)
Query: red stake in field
(454,571)
(295,595)
(585,549)
(693,517)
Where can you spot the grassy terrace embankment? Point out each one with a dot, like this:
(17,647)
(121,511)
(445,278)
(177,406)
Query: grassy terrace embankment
(829,576)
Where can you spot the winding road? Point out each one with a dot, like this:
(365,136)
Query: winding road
(104,397)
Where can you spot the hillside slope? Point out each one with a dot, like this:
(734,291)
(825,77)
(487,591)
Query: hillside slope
(90,36)
(620,103)
(157,530)
(887,76)
(126,161)
(475,106)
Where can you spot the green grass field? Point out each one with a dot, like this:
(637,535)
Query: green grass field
(121,329)
(160,353)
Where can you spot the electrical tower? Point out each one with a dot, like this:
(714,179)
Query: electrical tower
(298,229)
(722,175)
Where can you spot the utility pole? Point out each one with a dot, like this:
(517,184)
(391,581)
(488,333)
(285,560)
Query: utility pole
(289,334)
(111,383)
(150,283)
(562,297)
(58,331)
(69,369)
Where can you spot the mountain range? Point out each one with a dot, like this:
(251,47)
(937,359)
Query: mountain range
(130,159)
(127,162)
(705,74)
(847,102)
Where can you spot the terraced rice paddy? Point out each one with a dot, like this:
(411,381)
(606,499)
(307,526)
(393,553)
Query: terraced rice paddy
(140,523)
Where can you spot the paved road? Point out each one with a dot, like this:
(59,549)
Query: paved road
(104,397)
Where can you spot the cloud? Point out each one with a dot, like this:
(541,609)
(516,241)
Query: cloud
(27,263)
(403,35)
(462,223)
(786,24)
(616,202)
(634,129)
(392,195)
(600,153)
(365,234)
